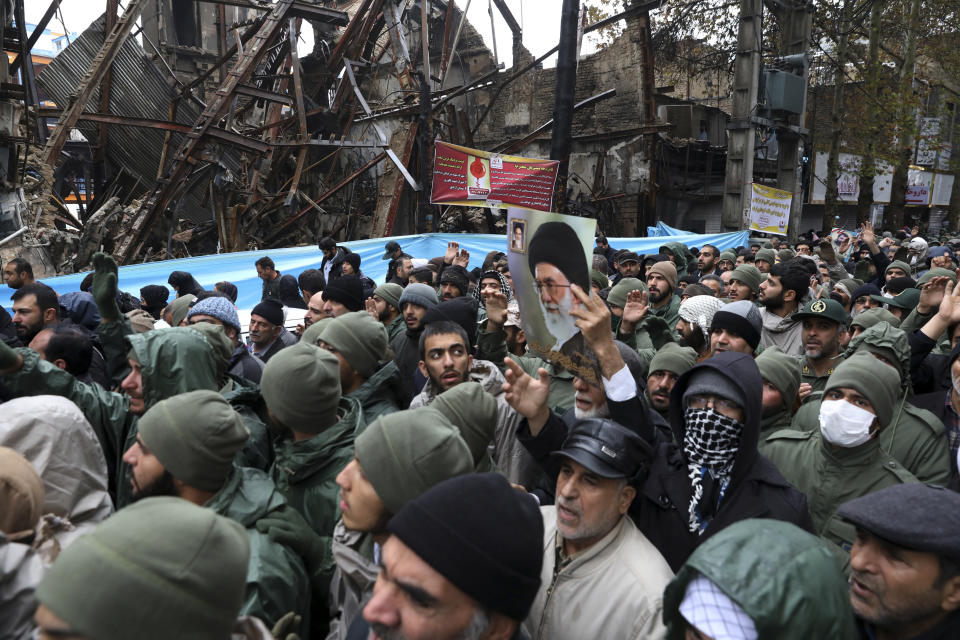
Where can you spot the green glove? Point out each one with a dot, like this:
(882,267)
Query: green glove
(862,271)
(9,359)
(287,626)
(288,527)
(105,287)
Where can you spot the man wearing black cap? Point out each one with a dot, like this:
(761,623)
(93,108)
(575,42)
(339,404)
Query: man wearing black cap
(394,253)
(595,559)
(267,334)
(628,265)
(343,295)
(905,562)
(449,572)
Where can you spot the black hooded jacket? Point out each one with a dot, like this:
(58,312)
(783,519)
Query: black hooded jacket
(660,510)
(184,283)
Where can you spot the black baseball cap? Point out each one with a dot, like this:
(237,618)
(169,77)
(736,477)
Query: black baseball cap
(605,448)
(391,248)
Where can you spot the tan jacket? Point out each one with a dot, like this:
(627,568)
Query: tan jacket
(613,590)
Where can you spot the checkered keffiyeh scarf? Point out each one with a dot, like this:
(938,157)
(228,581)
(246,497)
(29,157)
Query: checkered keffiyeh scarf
(710,444)
(714,613)
(504,288)
(699,310)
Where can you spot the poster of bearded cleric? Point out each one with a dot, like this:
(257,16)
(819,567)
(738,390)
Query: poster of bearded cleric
(547,252)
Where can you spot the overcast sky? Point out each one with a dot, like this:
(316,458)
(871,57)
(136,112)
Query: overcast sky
(540,20)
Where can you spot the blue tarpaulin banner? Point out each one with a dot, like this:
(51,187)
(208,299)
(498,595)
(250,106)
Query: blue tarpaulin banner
(239,268)
(662,230)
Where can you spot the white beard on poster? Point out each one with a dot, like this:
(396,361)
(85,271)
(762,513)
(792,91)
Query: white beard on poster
(560,323)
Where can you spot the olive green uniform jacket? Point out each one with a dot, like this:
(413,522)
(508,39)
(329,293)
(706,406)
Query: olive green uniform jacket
(830,476)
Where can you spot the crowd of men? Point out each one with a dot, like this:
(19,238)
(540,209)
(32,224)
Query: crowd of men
(754,443)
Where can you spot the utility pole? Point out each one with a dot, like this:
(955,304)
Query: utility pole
(741,136)
(795,24)
(563,100)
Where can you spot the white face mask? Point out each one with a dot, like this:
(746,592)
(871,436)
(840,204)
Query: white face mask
(843,424)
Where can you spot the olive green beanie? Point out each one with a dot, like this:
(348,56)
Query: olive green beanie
(390,292)
(748,275)
(473,411)
(785,255)
(619,292)
(782,371)
(673,358)
(405,453)
(898,264)
(879,385)
(767,255)
(158,569)
(179,309)
(361,339)
(728,255)
(599,279)
(870,317)
(301,386)
(195,436)
(936,272)
(312,333)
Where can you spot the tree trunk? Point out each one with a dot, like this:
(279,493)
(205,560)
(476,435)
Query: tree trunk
(831,209)
(905,122)
(868,164)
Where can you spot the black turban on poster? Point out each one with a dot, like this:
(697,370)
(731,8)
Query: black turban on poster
(558,244)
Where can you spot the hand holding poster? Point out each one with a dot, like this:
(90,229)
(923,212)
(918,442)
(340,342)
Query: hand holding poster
(480,179)
(769,209)
(547,252)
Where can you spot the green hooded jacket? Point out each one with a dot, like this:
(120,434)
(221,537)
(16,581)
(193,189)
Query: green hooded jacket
(915,437)
(395,328)
(381,394)
(679,252)
(277,581)
(830,476)
(173,361)
(305,473)
(785,579)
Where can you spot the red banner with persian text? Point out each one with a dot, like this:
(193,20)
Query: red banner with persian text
(475,178)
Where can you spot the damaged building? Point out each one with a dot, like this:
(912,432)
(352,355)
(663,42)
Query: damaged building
(187,128)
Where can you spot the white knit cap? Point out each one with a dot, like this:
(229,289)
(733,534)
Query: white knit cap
(699,310)
(713,613)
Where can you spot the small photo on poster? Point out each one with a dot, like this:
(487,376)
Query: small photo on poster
(518,236)
(557,253)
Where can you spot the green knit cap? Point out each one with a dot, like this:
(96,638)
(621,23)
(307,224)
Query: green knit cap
(312,333)
(160,568)
(786,254)
(390,292)
(195,436)
(405,453)
(880,385)
(936,272)
(728,255)
(179,309)
(870,317)
(748,275)
(782,371)
(768,255)
(599,279)
(619,292)
(673,358)
(850,285)
(473,411)
(361,339)
(301,386)
(898,264)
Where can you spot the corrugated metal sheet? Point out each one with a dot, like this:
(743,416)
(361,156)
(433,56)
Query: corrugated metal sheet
(139,89)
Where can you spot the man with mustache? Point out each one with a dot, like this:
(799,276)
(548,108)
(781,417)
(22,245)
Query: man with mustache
(449,573)
(671,362)
(696,316)
(823,322)
(905,562)
(595,559)
(661,284)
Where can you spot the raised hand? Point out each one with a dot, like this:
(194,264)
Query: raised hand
(867,233)
(105,287)
(462,259)
(950,305)
(452,248)
(527,396)
(370,306)
(932,294)
(634,311)
(496,305)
